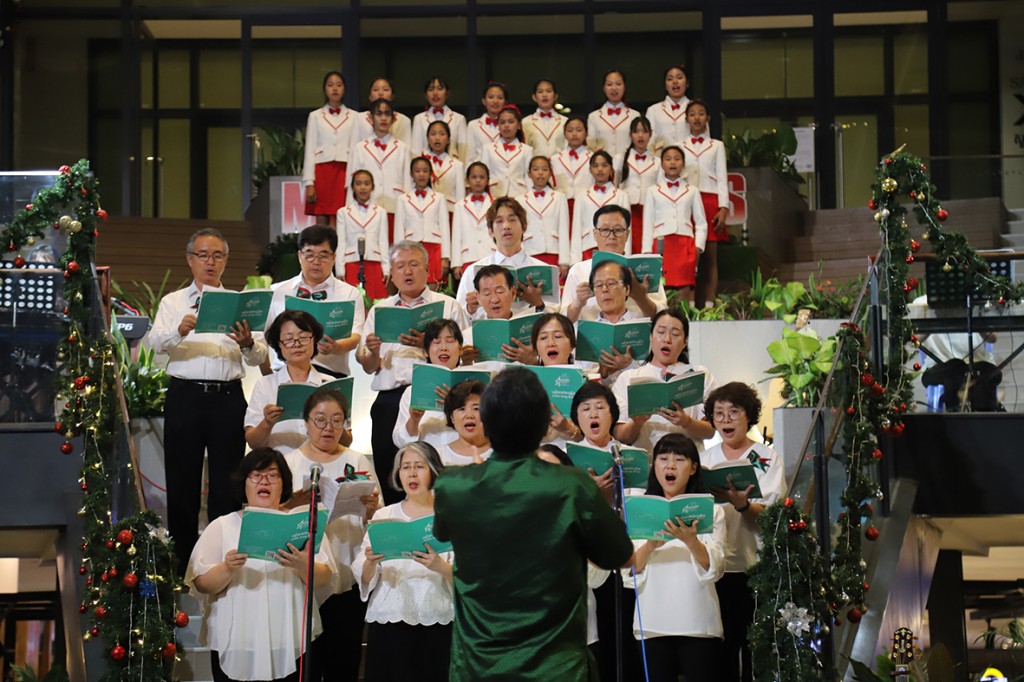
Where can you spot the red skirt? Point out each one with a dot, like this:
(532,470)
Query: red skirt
(391,229)
(636,226)
(433,262)
(329,183)
(710,201)
(680,261)
(374,274)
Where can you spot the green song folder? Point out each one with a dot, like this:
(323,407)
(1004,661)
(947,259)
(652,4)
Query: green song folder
(292,396)
(489,335)
(392,321)
(398,539)
(741,473)
(648,394)
(593,336)
(635,463)
(220,310)
(426,378)
(561,382)
(646,514)
(336,316)
(642,265)
(265,531)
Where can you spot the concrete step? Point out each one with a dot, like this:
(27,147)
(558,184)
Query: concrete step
(1014,240)
(1015,226)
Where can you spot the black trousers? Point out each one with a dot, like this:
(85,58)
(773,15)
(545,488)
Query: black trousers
(219,676)
(399,651)
(383,415)
(198,422)
(339,648)
(604,649)
(736,602)
(697,658)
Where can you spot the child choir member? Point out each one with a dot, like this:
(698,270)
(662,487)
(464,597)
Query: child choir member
(330,133)
(508,157)
(602,193)
(448,175)
(483,131)
(547,218)
(609,125)
(362,220)
(401,128)
(668,117)
(437,91)
(637,171)
(544,127)
(386,158)
(421,215)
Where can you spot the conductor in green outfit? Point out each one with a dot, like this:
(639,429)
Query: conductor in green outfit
(522,531)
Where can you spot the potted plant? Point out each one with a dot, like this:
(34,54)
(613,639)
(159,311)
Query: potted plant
(280,153)
(772,149)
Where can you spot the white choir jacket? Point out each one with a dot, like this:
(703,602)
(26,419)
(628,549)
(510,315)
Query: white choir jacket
(509,168)
(583,218)
(547,223)
(705,167)
(328,138)
(610,132)
(479,136)
(389,168)
(401,128)
(423,219)
(372,226)
(546,134)
(643,174)
(668,125)
(571,176)
(673,211)
(456,125)
(470,240)
(447,177)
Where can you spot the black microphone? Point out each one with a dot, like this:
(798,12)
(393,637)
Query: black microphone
(361,246)
(314,475)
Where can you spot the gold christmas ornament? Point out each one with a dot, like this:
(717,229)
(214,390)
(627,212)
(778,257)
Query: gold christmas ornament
(30,241)
(74,227)
(878,217)
(947,267)
(64,221)
(889,185)
(131,551)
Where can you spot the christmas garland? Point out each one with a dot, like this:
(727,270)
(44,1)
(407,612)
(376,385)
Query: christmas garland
(128,564)
(795,600)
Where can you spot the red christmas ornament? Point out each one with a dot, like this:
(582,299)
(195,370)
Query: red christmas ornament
(11,247)
(80,382)
(83,608)
(110,544)
(942,214)
(867,379)
(872,205)
(915,245)
(888,161)
(81,570)
(112,572)
(850,411)
(169,650)
(19,262)
(913,338)
(897,430)
(1001,300)
(788,502)
(101,214)
(838,622)
(854,615)
(910,258)
(866,587)
(56,226)
(85,192)
(801,525)
(125,537)
(130,581)
(794,527)
(181,619)
(84,486)
(118,652)
(917,366)
(877,454)
(67,448)
(101,611)
(903,407)
(871,533)
(924,167)
(58,427)
(28,207)
(877,390)
(104,577)
(83,546)
(64,170)
(95,632)
(88,581)
(73,267)
(912,282)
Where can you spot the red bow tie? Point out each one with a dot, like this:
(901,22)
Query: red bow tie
(490,121)
(437,160)
(600,188)
(546,114)
(438,112)
(421,193)
(675,107)
(382,145)
(573,154)
(672,184)
(697,140)
(333,111)
(509,147)
(538,194)
(614,112)
(641,157)
(477,197)
(363,206)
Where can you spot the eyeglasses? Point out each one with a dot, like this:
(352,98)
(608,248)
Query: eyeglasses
(297,341)
(608,285)
(270,476)
(731,415)
(216,256)
(612,231)
(322,422)
(316,256)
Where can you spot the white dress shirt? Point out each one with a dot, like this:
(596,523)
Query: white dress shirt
(580,273)
(517,260)
(287,434)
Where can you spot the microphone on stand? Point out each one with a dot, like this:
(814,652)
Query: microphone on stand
(314,475)
(314,481)
(361,249)
(617,602)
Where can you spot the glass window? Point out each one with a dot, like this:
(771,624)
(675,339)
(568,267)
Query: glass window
(174,162)
(108,76)
(910,62)
(311,63)
(106,161)
(859,65)
(858,157)
(173,79)
(970,56)
(220,78)
(771,68)
(146,73)
(911,128)
(223,173)
(273,76)
(756,126)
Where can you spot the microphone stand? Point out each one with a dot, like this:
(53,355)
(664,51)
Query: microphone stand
(314,499)
(361,247)
(617,504)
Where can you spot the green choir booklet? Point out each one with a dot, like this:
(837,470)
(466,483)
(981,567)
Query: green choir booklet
(265,531)
(646,514)
(335,316)
(642,265)
(392,321)
(398,539)
(593,336)
(292,396)
(426,378)
(489,335)
(634,462)
(741,472)
(647,394)
(561,382)
(546,276)
(219,310)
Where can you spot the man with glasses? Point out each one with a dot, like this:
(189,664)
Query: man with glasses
(611,232)
(317,245)
(205,405)
(496,292)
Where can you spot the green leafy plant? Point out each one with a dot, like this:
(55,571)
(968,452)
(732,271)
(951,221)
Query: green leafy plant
(143,297)
(23,673)
(715,313)
(768,299)
(802,360)
(833,300)
(280,152)
(144,383)
(280,257)
(772,149)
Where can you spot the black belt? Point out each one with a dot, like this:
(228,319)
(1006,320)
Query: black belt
(394,390)
(207,386)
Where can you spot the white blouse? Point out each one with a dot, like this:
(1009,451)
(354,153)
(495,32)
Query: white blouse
(287,433)
(255,624)
(450,458)
(402,590)
(433,426)
(674,593)
(741,541)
